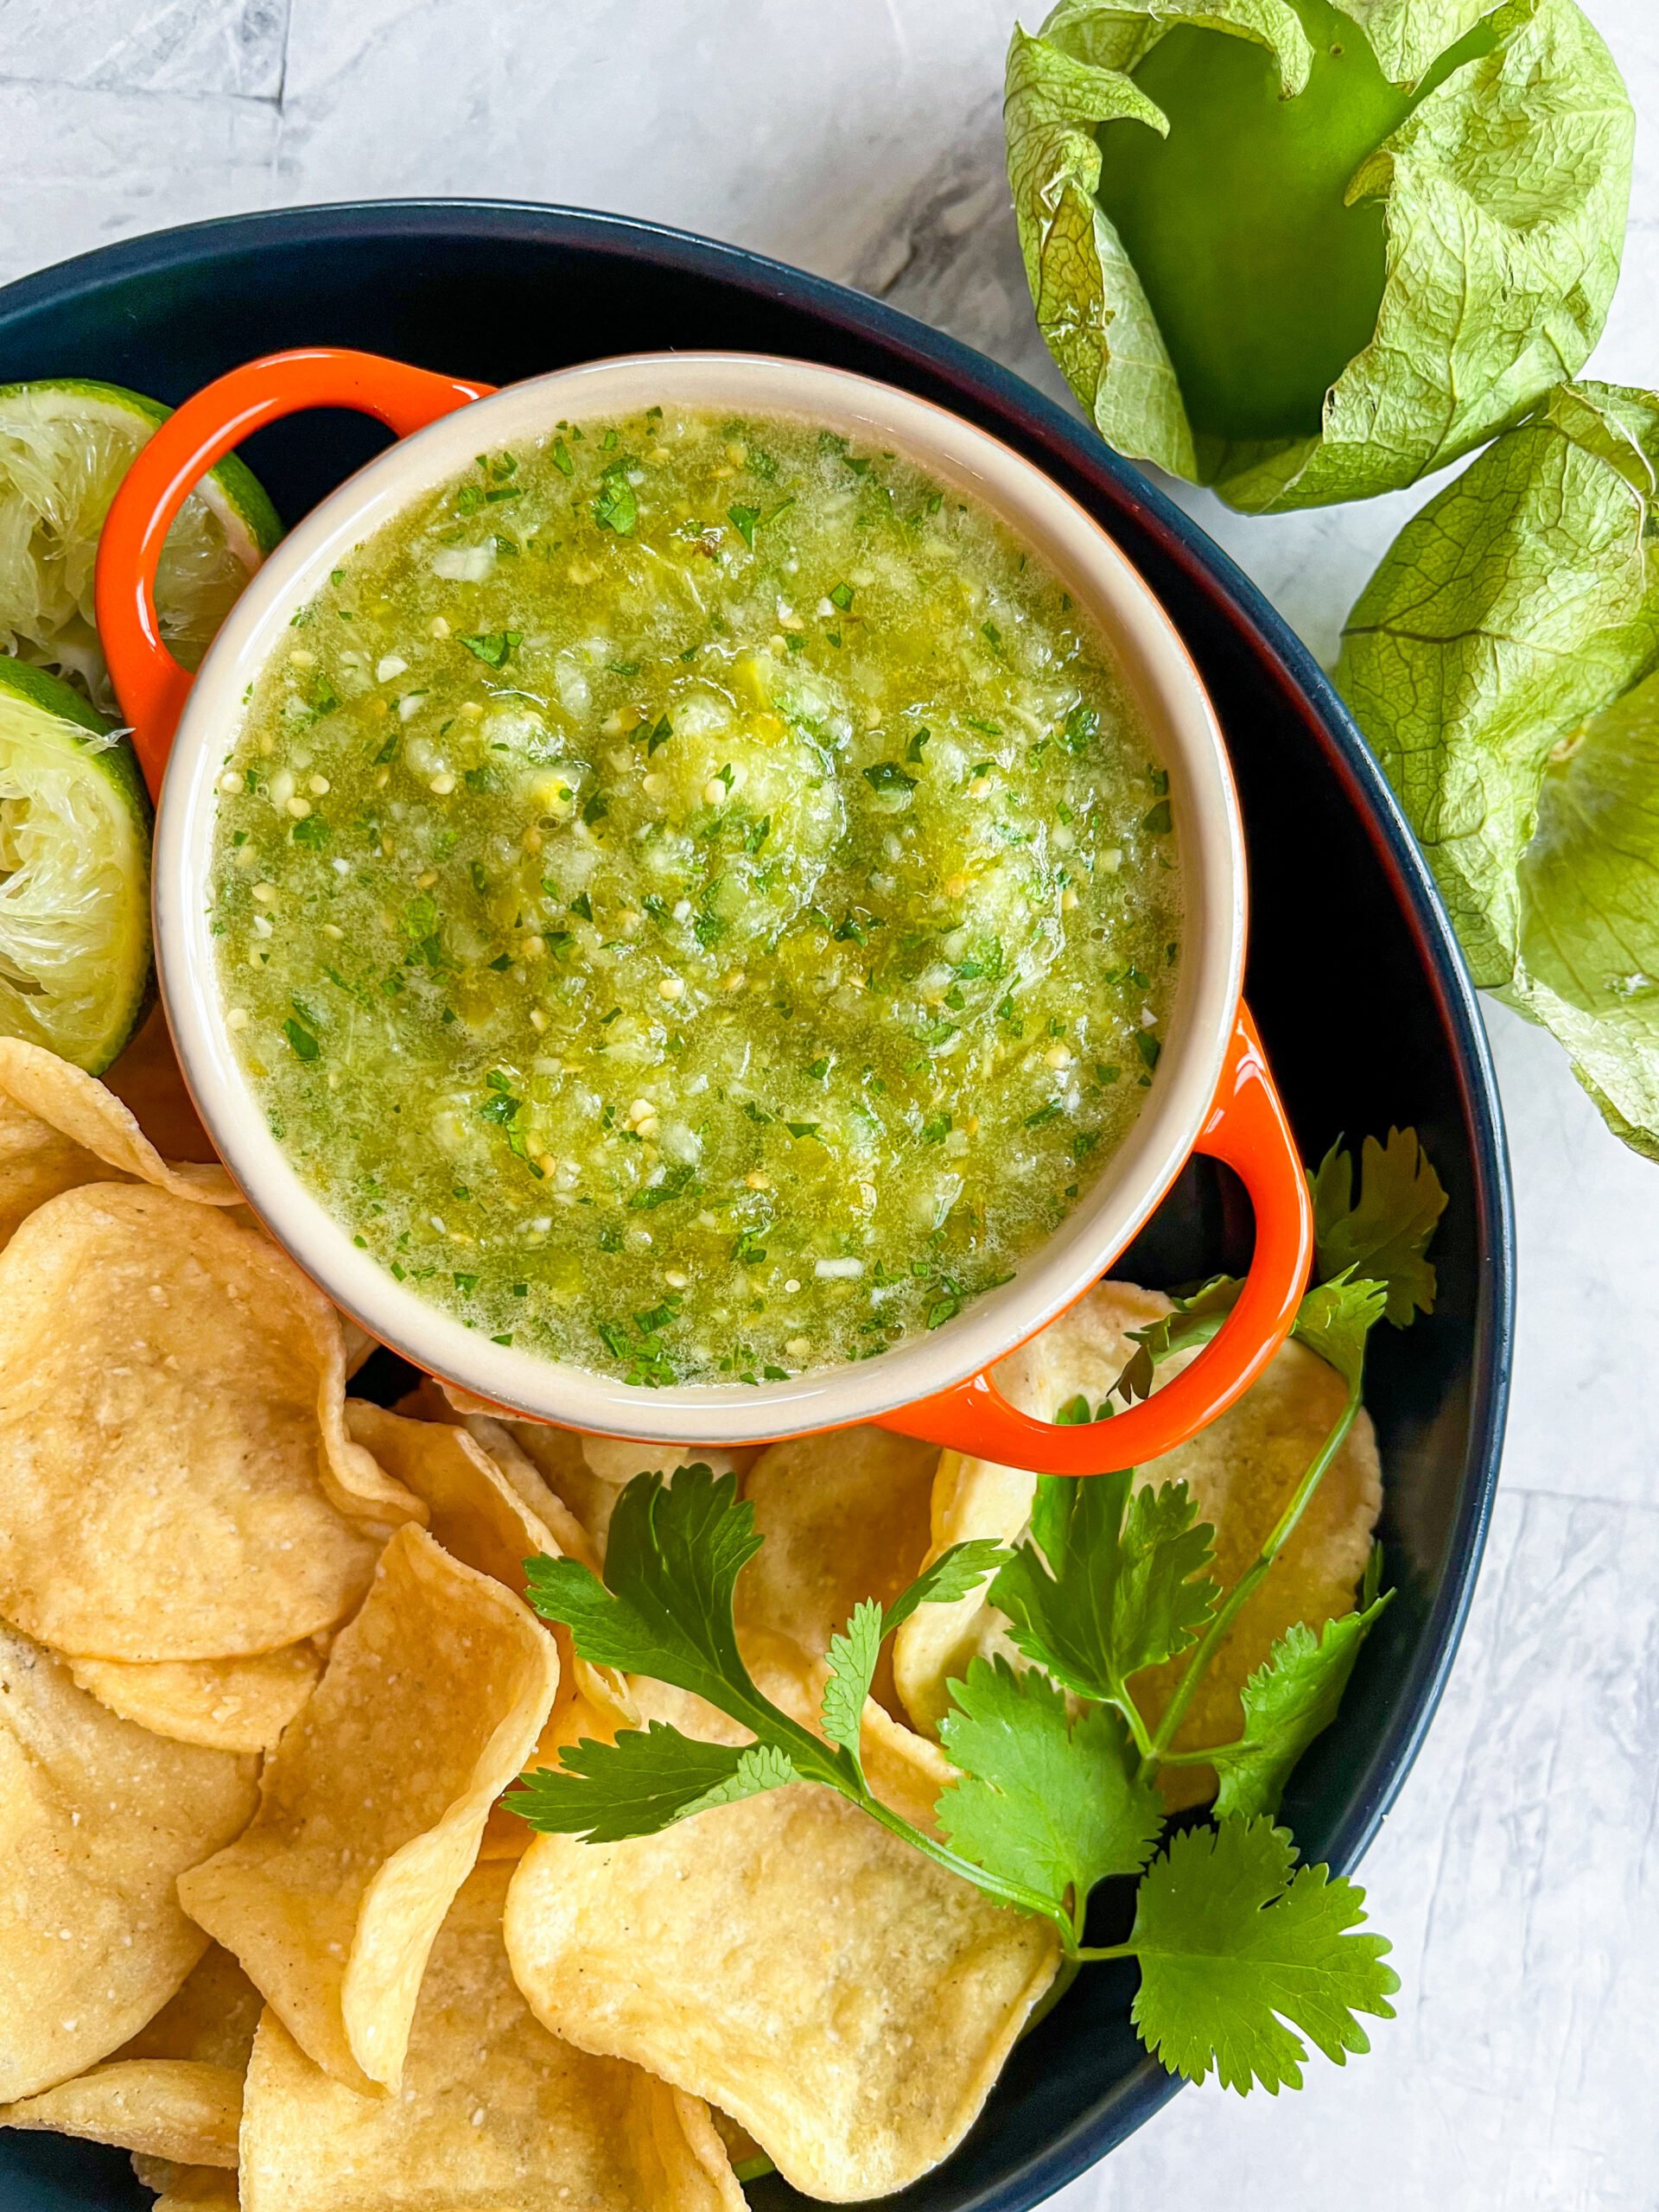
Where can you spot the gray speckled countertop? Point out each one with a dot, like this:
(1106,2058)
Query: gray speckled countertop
(1519,1874)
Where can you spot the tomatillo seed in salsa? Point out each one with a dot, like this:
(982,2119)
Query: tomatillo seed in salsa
(695,898)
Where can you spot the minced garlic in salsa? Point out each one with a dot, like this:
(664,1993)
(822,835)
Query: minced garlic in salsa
(694,899)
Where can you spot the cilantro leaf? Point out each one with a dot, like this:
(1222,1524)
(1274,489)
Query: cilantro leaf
(608,1632)
(644,1781)
(1232,1944)
(953,1574)
(1289,1700)
(1335,1319)
(1384,1234)
(1191,1320)
(664,1608)
(1047,1800)
(1080,728)
(1136,1380)
(888,776)
(1378,1241)
(677,1181)
(760,1767)
(853,1655)
(616,508)
(494,647)
(856,1649)
(1119,1583)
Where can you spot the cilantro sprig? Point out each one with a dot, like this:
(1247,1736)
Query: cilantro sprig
(666,1609)
(1047,1803)
(1238,1946)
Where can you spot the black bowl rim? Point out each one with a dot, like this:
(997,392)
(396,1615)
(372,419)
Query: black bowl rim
(633,239)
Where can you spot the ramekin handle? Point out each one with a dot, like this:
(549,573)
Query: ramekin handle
(150,683)
(1246,1127)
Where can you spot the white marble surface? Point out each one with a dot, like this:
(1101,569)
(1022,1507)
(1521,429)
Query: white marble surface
(1519,1874)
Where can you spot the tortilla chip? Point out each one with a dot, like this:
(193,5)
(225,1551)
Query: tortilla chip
(1241,1471)
(173,2091)
(232,1705)
(427,1401)
(201,2189)
(564,1459)
(481,1518)
(98,1819)
(845,1515)
(373,1805)
(472,1510)
(845,2000)
(175,1479)
(515,1463)
(612,1459)
(618,1459)
(361,1346)
(211,2017)
(556,1458)
(148,1081)
(493,2111)
(593,1702)
(741,2146)
(181,2074)
(59,1128)
(168,2108)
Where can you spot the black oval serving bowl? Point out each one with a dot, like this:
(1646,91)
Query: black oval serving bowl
(1355,977)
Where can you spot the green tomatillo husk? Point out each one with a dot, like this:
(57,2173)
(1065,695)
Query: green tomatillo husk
(1503,663)
(1306,251)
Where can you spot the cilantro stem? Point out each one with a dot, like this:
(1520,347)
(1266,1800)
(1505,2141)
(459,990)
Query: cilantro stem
(1137,1728)
(1247,1584)
(1092,1954)
(1066,1972)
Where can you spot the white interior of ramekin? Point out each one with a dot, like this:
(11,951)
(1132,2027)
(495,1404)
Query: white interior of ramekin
(1184,732)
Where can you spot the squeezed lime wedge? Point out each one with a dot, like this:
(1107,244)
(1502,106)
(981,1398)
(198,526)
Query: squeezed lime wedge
(65,442)
(75,873)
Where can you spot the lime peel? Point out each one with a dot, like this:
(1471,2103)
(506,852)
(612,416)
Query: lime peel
(75,873)
(65,445)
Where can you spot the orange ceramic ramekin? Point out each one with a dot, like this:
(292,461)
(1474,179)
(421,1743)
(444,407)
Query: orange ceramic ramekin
(1212,1092)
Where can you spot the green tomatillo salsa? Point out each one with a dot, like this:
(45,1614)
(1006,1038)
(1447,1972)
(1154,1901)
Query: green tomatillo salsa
(695,899)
